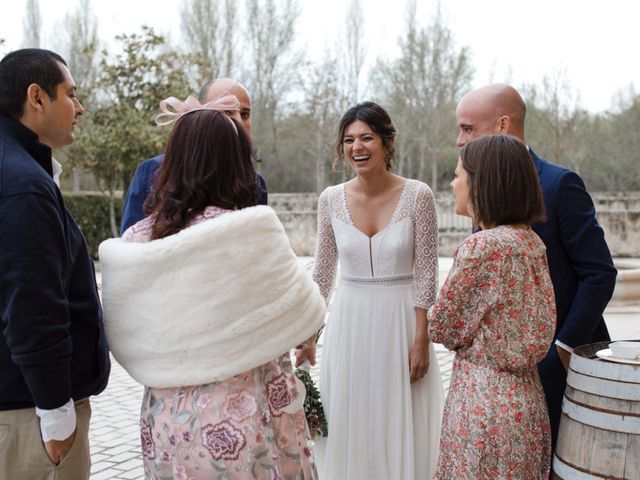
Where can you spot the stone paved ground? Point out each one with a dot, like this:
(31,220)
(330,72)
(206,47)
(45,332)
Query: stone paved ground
(114,433)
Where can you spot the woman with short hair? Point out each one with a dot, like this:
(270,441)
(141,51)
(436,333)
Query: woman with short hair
(496,310)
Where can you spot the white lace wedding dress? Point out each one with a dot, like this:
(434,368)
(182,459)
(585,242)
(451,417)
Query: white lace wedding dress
(380,425)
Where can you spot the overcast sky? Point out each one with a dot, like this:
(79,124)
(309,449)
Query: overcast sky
(594,42)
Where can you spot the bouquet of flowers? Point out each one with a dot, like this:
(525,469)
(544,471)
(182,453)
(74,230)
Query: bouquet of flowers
(312,404)
(313,409)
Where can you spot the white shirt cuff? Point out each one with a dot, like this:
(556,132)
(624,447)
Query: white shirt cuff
(564,346)
(57,171)
(58,423)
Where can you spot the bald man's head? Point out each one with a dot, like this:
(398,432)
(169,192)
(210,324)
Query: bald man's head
(489,110)
(226,86)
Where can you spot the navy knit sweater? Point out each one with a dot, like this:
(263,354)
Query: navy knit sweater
(52,342)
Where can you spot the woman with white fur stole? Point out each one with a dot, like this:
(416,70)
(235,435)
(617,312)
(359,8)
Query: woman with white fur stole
(203,301)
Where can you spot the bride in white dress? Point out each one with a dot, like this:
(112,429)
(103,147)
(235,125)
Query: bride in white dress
(379,378)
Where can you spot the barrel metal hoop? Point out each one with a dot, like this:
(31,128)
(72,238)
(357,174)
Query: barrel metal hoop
(604,387)
(618,422)
(568,471)
(614,371)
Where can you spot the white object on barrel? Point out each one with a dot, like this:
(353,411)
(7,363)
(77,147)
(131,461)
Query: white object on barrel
(630,350)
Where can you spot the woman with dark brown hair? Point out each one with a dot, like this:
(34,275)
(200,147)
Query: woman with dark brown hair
(209,164)
(496,310)
(379,378)
(203,301)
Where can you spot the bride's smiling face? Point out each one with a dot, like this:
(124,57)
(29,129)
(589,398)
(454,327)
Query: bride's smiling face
(363,148)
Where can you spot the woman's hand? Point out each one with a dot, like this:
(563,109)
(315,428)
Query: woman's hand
(418,359)
(306,351)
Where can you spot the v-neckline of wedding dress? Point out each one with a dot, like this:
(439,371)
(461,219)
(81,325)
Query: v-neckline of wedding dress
(391,220)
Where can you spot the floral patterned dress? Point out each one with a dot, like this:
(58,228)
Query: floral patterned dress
(245,427)
(497,311)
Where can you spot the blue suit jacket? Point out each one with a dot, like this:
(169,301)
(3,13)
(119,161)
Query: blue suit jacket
(140,187)
(580,263)
(581,269)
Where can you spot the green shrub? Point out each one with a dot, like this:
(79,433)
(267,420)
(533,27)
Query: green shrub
(91,211)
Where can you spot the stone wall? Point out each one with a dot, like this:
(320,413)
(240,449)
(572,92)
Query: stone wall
(297,212)
(619,215)
(617,212)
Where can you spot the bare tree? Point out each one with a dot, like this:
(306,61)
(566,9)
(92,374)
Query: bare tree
(77,38)
(421,88)
(230,37)
(615,162)
(210,30)
(355,53)
(324,103)
(557,122)
(274,63)
(32,25)
(81,46)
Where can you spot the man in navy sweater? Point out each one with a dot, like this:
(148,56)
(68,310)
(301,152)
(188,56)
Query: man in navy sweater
(53,353)
(142,181)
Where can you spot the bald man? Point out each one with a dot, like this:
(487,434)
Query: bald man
(579,260)
(142,180)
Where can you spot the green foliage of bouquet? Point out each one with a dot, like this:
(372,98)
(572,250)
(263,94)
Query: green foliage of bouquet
(313,409)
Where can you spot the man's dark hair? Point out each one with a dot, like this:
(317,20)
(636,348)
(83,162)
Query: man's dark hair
(21,68)
(504,188)
(207,163)
(378,119)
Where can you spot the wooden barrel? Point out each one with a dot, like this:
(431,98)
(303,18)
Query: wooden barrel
(599,434)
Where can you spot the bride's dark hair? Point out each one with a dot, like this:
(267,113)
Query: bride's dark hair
(207,163)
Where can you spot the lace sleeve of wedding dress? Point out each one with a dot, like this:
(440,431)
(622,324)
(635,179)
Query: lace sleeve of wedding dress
(326,257)
(425,263)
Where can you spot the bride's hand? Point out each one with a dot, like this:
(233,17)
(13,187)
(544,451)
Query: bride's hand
(306,351)
(418,359)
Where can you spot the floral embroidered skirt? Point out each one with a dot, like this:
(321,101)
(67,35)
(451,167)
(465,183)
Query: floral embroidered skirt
(235,429)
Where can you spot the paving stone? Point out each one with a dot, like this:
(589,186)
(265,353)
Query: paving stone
(119,449)
(130,464)
(124,456)
(104,475)
(101,466)
(136,473)
(98,457)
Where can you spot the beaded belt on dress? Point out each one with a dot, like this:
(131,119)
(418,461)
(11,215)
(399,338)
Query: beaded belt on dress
(378,281)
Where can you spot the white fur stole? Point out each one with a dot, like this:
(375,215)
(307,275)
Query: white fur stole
(216,299)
